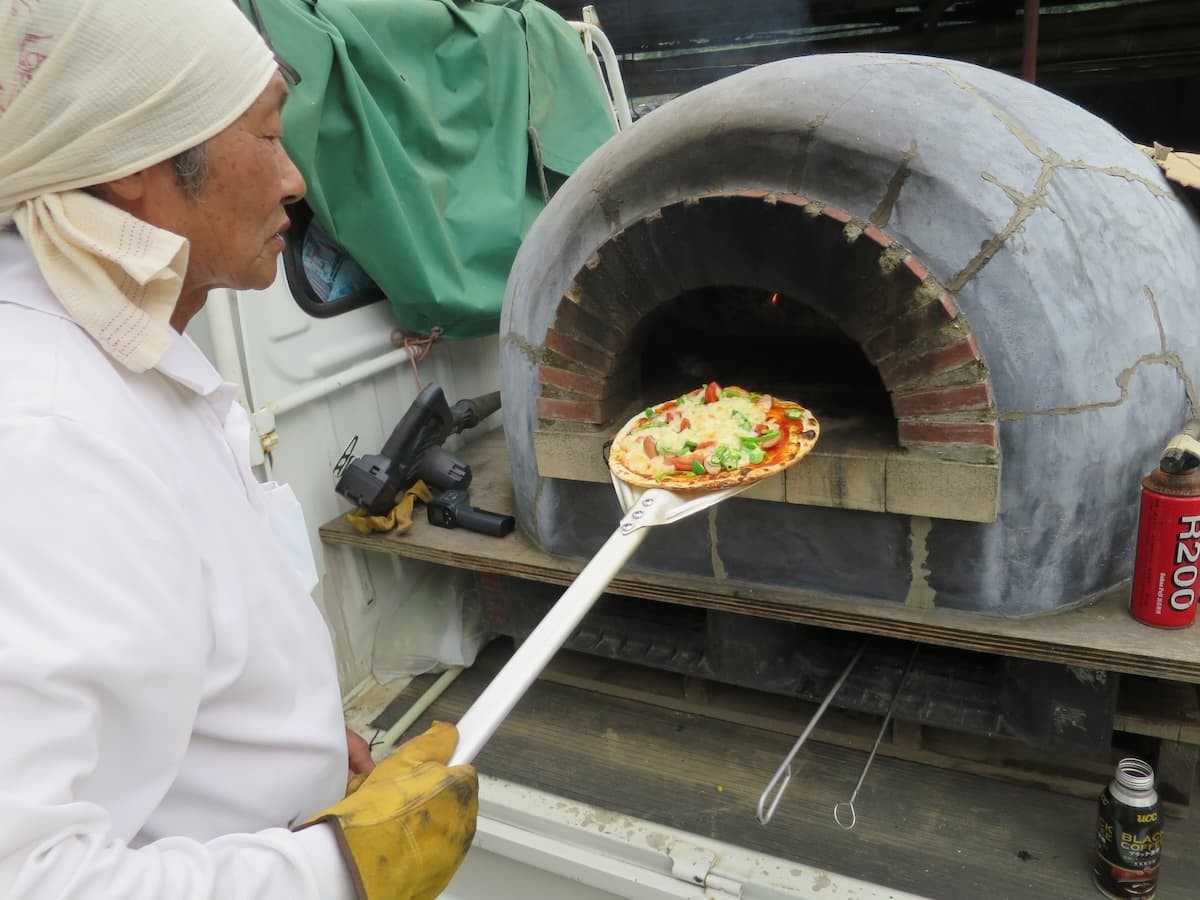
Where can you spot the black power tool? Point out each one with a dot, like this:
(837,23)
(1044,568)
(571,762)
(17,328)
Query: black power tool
(414,452)
(453,509)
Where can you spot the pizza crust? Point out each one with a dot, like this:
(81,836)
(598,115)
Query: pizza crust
(800,435)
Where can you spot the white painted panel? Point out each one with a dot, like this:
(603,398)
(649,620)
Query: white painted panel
(282,349)
(495,877)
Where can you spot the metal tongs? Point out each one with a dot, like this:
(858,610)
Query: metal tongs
(768,802)
(644,509)
(843,812)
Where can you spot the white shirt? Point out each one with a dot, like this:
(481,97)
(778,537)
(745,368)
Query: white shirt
(168,692)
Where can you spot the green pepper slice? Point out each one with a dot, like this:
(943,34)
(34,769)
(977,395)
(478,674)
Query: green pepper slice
(728,457)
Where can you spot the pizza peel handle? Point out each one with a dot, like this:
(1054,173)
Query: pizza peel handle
(643,509)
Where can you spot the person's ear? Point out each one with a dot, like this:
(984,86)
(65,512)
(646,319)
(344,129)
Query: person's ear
(129,189)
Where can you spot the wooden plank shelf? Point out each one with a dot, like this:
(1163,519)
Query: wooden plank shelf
(1098,636)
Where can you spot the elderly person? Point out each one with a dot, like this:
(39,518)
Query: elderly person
(173,726)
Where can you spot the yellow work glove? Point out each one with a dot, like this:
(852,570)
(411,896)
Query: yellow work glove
(406,828)
(399,519)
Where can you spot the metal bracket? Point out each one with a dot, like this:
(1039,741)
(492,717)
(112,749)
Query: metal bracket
(650,509)
(656,506)
(263,421)
(693,865)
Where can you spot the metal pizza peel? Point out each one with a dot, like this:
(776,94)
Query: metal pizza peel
(644,508)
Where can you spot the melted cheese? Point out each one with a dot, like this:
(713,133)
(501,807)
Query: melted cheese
(718,422)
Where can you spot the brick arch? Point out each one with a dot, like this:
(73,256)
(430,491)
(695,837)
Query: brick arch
(880,294)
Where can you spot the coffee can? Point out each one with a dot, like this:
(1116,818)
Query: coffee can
(1129,834)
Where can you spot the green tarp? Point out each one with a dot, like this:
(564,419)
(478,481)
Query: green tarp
(418,125)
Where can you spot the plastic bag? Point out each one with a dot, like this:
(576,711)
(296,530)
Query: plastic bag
(437,623)
(331,271)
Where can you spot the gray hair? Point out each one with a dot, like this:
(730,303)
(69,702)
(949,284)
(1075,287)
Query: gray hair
(191,169)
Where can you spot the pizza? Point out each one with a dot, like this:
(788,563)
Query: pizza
(712,438)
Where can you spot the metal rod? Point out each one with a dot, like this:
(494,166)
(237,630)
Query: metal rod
(219,311)
(613,70)
(1029,47)
(388,742)
(874,749)
(778,786)
(322,387)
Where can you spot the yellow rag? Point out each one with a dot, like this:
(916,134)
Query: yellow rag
(398,520)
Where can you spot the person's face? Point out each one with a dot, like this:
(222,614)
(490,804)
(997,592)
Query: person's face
(235,224)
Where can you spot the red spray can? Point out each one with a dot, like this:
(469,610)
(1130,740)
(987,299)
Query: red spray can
(1166,570)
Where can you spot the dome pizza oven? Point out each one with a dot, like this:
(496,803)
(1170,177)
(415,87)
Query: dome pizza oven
(986,295)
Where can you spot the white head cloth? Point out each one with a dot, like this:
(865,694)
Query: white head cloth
(91,91)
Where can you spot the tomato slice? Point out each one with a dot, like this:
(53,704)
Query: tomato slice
(712,393)
(682,463)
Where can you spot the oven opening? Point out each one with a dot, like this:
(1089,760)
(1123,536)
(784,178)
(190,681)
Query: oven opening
(766,341)
(789,296)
